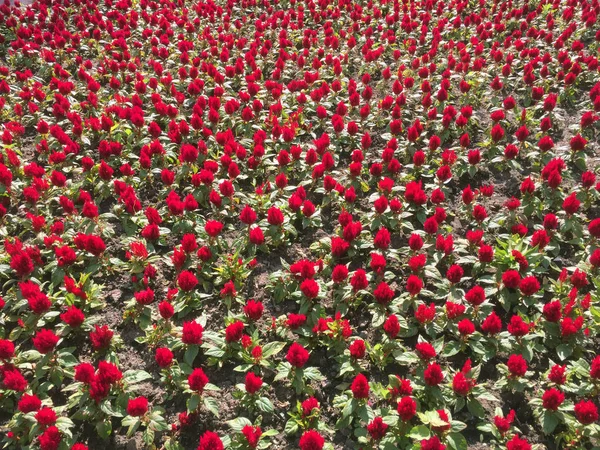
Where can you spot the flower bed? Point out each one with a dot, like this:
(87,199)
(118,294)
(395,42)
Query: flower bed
(299,224)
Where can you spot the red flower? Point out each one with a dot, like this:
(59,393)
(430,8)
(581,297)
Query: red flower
(377,428)
(101,337)
(50,439)
(256,236)
(425,314)
(73,317)
(383,293)
(252,435)
(45,340)
(517,327)
(29,403)
(517,366)
(163,357)
(45,416)
(234,331)
(192,333)
(392,326)
(197,380)
(248,216)
(213,228)
(517,443)
(492,324)
(85,373)
(475,296)
(360,387)
(552,399)
(503,423)
(253,310)
(511,279)
(466,327)
(309,405)
(310,288)
(414,285)
(339,273)
(407,408)
(253,383)
(461,385)
(210,441)
(311,440)
(432,443)
(528,285)
(571,204)
(382,239)
(433,374)
(357,349)
(586,412)
(454,273)
(425,350)
(297,355)
(137,407)
(187,281)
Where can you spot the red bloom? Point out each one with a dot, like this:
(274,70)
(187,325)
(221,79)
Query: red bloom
(137,407)
(311,440)
(517,366)
(511,279)
(586,412)
(163,357)
(234,331)
(101,337)
(454,273)
(253,309)
(210,441)
(45,340)
(552,399)
(197,380)
(392,326)
(432,443)
(213,228)
(377,428)
(492,324)
(192,333)
(252,435)
(29,403)
(529,285)
(425,350)
(517,443)
(383,293)
(297,355)
(73,316)
(310,288)
(414,285)
(433,374)
(187,281)
(407,408)
(50,439)
(253,383)
(360,387)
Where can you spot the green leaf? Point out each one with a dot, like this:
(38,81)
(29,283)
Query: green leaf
(475,408)
(193,402)
(564,351)
(419,432)
(212,405)
(104,428)
(272,348)
(190,354)
(291,427)
(457,441)
(549,423)
(238,423)
(265,405)
(136,376)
